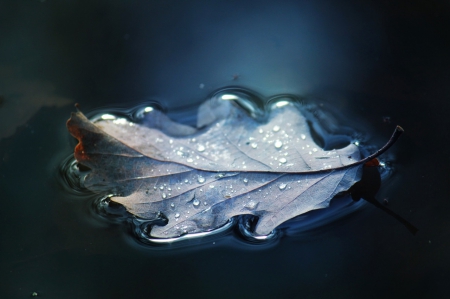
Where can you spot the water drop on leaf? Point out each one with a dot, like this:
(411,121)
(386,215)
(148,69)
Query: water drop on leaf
(278,144)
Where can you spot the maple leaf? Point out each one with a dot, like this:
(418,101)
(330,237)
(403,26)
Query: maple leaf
(231,164)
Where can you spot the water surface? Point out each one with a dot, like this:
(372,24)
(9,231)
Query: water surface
(366,61)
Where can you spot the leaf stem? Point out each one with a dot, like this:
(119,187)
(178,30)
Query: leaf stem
(398,131)
(402,220)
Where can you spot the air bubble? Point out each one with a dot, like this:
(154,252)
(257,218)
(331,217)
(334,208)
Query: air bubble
(282,186)
(278,144)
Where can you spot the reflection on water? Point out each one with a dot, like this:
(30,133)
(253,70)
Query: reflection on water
(21,98)
(327,130)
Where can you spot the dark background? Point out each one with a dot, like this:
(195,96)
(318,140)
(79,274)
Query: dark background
(367,59)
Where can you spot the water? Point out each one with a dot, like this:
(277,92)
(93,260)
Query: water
(373,64)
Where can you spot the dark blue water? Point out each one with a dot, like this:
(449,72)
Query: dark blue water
(374,64)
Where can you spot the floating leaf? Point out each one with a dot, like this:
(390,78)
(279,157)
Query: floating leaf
(231,164)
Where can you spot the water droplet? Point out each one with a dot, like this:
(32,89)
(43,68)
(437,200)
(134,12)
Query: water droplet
(177,215)
(254,145)
(200,148)
(163,195)
(282,186)
(314,149)
(196,202)
(172,205)
(189,160)
(245,180)
(186,181)
(211,186)
(260,131)
(278,144)
(161,187)
(201,179)
(276,128)
(303,136)
(282,160)
(251,204)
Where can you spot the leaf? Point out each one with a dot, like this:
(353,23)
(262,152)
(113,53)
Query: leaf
(231,164)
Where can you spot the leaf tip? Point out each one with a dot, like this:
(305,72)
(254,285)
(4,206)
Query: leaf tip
(399,129)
